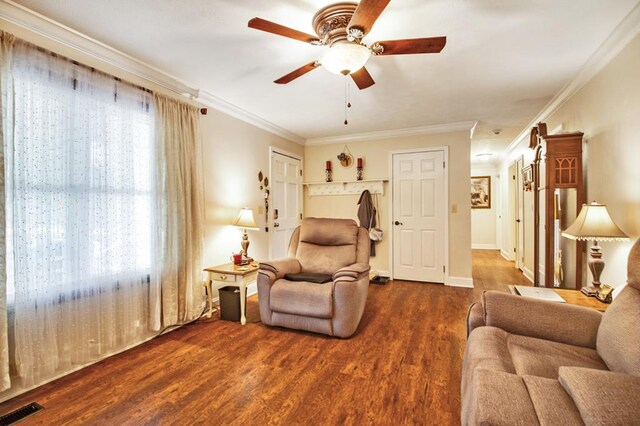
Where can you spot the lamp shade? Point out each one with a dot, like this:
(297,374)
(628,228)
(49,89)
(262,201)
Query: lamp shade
(594,223)
(245,219)
(345,58)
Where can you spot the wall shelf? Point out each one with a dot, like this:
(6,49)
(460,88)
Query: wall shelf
(350,187)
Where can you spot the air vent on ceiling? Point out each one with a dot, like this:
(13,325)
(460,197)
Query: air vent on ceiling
(16,415)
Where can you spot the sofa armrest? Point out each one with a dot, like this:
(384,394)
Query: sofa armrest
(560,322)
(280,267)
(475,317)
(355,271)
(602,397)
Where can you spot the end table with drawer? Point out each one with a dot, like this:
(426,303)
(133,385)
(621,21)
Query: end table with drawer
(231,275)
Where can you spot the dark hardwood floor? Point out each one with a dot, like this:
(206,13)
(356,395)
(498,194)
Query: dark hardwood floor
(401,367)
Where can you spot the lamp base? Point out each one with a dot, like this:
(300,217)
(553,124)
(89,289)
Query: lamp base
(591,290)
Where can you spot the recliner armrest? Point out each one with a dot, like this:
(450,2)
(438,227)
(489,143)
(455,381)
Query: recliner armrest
(602,397)
(559,322)
(355,271)
(280,267)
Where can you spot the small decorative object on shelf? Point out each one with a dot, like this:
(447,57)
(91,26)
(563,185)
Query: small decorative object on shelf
(328,173)
(345,157)
(359,174)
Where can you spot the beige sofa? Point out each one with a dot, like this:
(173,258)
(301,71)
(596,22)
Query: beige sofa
(530,362)
(337,247)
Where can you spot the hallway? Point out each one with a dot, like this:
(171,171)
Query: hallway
(491,271)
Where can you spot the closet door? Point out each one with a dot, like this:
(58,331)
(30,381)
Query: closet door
(418,216)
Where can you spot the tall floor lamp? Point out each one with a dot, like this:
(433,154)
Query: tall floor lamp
(594,224)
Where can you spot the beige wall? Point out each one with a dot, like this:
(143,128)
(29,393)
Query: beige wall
(376,166)
(234,152)
(483,221)
(607,110)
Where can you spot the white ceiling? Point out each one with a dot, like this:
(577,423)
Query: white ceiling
(504,59)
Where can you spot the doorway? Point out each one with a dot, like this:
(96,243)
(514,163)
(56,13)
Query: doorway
(285,211)
(419,215)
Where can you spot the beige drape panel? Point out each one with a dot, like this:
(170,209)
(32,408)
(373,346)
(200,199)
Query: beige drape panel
(179,152)
(6,45)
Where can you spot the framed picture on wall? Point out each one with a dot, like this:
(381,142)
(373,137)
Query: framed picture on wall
(480,192)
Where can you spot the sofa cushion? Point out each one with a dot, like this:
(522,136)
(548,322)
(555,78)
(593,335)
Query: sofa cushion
(552,404)
(633,266)
(302,298)
(329,232)
(327,245)
(497,398)
(487,348)
(543,358)
(619,332)
(603,397)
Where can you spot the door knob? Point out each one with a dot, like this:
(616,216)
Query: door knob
(397,223)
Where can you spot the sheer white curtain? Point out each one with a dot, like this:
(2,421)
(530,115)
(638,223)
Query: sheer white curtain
(6,48)
(179,151)
(82,214)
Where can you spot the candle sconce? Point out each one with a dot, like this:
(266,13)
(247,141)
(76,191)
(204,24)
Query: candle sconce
(359,172)
(328,174)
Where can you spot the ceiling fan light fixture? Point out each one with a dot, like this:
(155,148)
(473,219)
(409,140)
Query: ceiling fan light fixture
(345,58)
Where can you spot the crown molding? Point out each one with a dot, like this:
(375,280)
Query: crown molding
(221,105)
(68,37)
(621,36)
(386,134)
(48,28)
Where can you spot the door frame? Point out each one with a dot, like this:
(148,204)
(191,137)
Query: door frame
(276,150)
(520,228)
(445,204)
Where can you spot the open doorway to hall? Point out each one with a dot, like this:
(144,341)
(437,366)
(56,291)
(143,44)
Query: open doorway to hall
(491,271)
(498,234)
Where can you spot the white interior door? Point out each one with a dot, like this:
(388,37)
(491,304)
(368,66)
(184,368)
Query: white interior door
(418,216)
(285,210)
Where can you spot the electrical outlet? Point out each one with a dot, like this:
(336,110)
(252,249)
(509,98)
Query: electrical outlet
(454,208)
(260,209)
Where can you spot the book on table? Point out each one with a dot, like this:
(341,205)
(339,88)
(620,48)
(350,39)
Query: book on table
(540,293)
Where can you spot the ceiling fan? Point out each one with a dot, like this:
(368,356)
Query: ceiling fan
(342,26)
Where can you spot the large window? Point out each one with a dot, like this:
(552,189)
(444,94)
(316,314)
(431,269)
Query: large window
(83,187)
(104,214)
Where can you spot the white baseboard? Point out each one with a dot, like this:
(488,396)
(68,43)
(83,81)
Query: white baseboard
(484,247)
(383,273)
(459,282)
(505,255)
(527,273)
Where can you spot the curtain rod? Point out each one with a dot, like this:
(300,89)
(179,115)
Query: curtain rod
(203,111)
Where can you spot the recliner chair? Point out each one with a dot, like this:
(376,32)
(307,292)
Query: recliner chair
(337,247)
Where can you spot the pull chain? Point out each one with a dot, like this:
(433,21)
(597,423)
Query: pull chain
(347,98)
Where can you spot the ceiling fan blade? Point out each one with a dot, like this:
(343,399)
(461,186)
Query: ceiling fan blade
(297,73)
(411,45)
(281,30)
(366,14)
(362,78)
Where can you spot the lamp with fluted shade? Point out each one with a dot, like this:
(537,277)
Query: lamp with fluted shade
(594,224)
(245,221)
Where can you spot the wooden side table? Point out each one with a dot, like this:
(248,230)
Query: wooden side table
(232,275)
(574,297)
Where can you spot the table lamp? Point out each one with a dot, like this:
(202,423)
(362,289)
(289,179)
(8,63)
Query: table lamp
(594,223)
(245,221)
